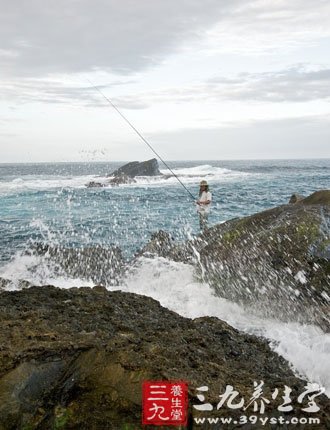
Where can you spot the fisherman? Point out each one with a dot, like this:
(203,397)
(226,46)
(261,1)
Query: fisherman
(203,204)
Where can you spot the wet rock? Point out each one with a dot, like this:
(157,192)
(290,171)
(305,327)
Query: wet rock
(8,283)
(121,179)
(295,198)
(4,283)
(94,184)
(318,198)
(76,359)
(136,168)
(97,264)
(276,261)
(127,173)
(160,243)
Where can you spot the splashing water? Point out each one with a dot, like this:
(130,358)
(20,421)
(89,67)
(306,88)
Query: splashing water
(305,347)
(49,203)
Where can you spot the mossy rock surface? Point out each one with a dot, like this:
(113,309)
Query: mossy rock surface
(276,261)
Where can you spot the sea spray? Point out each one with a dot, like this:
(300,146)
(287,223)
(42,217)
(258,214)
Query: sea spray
(174,285)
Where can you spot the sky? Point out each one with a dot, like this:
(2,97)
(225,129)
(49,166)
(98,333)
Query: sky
(200,80)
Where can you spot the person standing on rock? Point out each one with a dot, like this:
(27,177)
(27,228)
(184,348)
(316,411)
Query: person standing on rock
(203,204)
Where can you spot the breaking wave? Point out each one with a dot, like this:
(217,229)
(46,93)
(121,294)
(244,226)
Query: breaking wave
(305,347)
(189,175)
(43,183)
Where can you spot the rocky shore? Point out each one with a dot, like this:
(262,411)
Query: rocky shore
(277,261)
(76,359)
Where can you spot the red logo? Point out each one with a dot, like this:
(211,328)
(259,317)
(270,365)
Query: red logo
(165,403)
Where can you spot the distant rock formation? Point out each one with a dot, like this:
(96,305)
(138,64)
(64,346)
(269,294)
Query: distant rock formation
(136,168)
(126,174)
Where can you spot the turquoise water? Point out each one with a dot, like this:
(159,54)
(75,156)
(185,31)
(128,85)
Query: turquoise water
(50,203)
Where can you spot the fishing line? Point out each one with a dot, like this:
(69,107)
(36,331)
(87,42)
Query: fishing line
(141,136)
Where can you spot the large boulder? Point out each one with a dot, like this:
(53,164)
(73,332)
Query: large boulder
(318,198)
(76,359)
(276,261)
(136,168)
(295,198)
(97,264)
(126,174)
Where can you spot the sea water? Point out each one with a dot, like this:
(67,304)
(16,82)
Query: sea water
(50,203)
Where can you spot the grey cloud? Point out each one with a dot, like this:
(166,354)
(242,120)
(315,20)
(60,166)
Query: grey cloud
(39,38)
(4,134)
(54,92)
(295,84)
(289,137)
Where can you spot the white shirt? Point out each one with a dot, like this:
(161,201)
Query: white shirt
(203,198)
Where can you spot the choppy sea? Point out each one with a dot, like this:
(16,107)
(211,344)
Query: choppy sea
(50,203)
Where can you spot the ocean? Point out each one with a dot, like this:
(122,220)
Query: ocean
(49,203)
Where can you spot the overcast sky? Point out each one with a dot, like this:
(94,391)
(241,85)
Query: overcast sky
(200,79)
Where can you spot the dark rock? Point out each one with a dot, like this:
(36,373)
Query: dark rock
(76,359)
(20,284)
(295,198)
(121,179)
(160,243)
(97,264)
(136,168)
(127,173)
(4,283)
(276,261)
(93,184)
(163,245)
(317,198)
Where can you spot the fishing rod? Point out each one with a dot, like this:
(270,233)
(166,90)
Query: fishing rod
(140,135)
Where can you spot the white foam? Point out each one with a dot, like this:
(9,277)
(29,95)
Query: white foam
(188,175)
(203,169)
(44,183)
(306,347)
(38,271)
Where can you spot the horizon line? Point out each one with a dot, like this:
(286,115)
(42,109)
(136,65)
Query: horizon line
(177,160)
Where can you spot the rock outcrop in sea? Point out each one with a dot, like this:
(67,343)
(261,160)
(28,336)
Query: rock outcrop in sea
(138,168)
(126,174)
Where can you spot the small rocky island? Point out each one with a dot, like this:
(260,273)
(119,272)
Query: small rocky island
(76,358)
(126,174)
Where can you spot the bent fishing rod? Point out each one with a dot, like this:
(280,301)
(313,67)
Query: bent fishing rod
(140,136)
